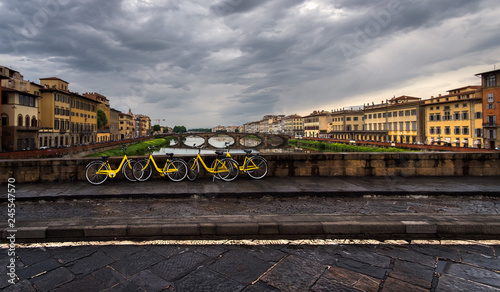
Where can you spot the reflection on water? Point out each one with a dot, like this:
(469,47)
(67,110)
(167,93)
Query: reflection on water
(219,142)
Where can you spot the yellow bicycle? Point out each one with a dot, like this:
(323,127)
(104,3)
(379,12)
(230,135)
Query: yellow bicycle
(254,165)
(224,168)
(97,171)
(175,168)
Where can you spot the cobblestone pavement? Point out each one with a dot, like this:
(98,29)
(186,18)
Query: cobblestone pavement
(308,265)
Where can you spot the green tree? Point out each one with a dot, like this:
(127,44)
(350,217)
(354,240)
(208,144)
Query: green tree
(180,129)
(156,128)
(102,120)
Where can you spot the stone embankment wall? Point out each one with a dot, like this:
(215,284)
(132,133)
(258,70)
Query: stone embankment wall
(290,165)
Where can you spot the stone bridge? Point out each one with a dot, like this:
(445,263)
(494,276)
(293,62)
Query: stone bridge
(262,141)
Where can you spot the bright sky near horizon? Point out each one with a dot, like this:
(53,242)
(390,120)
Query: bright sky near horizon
(201,63)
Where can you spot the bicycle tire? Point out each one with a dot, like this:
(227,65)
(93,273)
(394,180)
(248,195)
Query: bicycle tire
(128,172)
(227,169)
(193,169)
(181,171)
(91,172)
(141,173)
(259,162)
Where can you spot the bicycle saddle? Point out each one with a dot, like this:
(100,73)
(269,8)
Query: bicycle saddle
(248,151)
(105,158)
(219,152)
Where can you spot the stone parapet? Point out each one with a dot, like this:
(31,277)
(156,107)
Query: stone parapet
(289,165)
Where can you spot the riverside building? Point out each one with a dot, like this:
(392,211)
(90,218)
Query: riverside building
(346,124)
(19,110)
(455,119)
(397,120)
(316,124)
(491,108)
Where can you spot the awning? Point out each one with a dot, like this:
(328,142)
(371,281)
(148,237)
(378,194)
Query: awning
(477,142)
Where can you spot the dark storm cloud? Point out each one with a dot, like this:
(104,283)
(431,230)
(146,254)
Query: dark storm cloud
(235,59)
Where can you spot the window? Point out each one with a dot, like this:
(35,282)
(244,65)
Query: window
(447,116)
(401,113)
(431,130)
(401,126)
(379,115)
(389,115)
(431,117)
(56,124)
(479,115)
(479,133)
(413,112)
(438,117)
(407,126)
(456,116)
(395,126)
(413,126)
(407,113)
(457,131)
(491,80)
(490,106)
(465,130)
(438,130)
(20,120)
(27,121)
(447,131)
(465,115)
(490,97)
(5,120)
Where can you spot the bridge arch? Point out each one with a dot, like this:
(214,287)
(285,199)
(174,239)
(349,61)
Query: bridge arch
(264,137)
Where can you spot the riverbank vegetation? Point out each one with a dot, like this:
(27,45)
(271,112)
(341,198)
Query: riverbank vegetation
(339,147)
(140,148)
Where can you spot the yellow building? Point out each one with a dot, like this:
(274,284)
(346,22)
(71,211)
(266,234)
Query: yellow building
(316,123)
(127,126)
(66,118)
(103,132)
(397,120)
(346,124)
(294,125)
(456,118)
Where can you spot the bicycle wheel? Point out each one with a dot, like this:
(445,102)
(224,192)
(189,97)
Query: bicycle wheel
(212,166)
(259,162)
(227,169)
(91,172)
(193,169)
(177,170)
(128,171)
(140,173)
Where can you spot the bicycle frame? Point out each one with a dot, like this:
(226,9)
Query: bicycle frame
(159,170)
(209,169)
(242,167)
(112,172)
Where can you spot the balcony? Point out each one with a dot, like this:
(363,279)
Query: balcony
(490,125)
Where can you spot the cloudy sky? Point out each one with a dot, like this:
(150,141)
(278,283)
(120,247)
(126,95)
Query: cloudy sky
(201,63)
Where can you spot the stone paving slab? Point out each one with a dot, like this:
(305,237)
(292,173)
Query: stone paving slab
(272,186)
(383,226)
(248,266)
